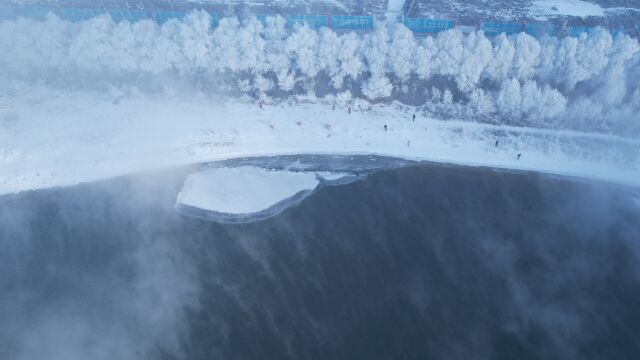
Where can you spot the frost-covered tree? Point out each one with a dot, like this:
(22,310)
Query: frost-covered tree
(481,102)
(402,52)
(376,51)
(526,56)
(538,105)
(585,82)
(425,54)
(450,53)
(277,60)
(252,46)
(476,55)
(302,47)
(196,38)
(499,67)
(350,59)
(376,87)
(226,54)
(509,100)
(447,97)
(328,49)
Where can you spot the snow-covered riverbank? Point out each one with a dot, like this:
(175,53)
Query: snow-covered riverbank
(48,141)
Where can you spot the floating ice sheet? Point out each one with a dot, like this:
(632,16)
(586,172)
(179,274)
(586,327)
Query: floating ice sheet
(246,193)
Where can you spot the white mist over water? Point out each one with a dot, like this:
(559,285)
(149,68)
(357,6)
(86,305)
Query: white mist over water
(403,260)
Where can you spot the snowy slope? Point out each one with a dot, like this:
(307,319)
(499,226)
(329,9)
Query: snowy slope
(613,14)
(66,138)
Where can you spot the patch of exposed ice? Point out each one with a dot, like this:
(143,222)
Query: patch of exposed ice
(243,190)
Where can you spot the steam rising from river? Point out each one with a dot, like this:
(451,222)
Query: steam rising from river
(429,261)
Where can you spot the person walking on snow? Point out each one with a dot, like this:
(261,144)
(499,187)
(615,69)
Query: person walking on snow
(385,127)
(518,157)
(349,109)
(414,117)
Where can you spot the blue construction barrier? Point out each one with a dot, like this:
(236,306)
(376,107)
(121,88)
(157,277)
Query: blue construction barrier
(617,32)
(578,30)
(539,29)
(262,18)
(129,15)
(424,25)
(215,19)
(78,14)
(496,28)
(338,22)
(163,16)
(313,21)
(347,22)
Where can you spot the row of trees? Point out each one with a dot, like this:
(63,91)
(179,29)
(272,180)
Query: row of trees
(520,79)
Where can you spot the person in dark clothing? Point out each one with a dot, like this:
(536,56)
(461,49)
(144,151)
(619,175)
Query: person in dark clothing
(519,156)
(414,117)
(385,127)
(496,143)
(349,110)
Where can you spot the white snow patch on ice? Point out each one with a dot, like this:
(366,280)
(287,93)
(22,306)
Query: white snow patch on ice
(331,176)
(243,190)
(549,8)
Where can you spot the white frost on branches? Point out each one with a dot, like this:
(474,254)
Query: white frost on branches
(589,82)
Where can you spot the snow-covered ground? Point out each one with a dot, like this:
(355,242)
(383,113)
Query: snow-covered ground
(546,8)
(51,139)
(243,190)
(394,10)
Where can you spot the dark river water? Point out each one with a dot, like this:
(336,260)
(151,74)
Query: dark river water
(419,262)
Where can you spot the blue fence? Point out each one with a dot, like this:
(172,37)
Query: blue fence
(346,22)
(313,21)
(495,28)
(539,29)
(78,14)
(338,22)
(422,25)
(577,30)
(163,16)
(617,32)
(128,15)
